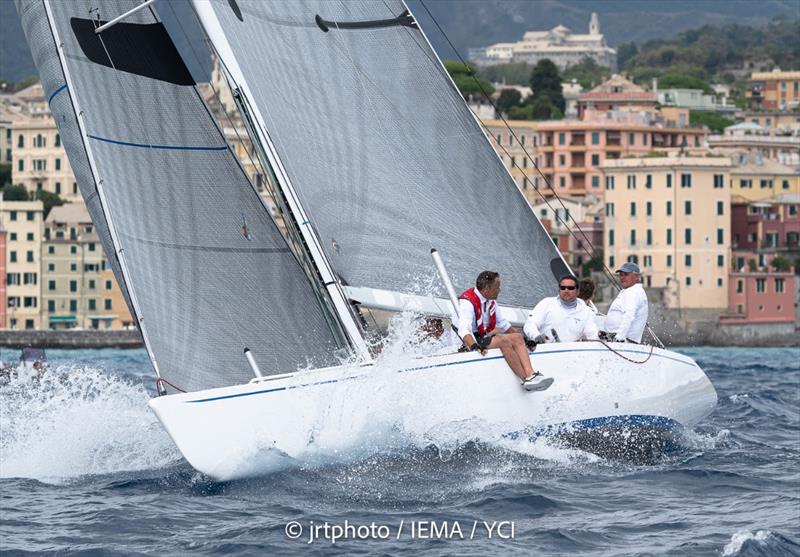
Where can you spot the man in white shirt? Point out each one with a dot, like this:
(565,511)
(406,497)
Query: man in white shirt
(565,314)
(627,316)
(479,317)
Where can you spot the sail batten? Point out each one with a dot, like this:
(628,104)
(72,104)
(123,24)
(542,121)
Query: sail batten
(205,268)
(384,154)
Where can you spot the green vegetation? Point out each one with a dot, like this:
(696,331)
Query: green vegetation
(15,193)
(588,73)
(547,100)
(19,193)
(674,81)
(508,99)
(782,264)
(465,78)
(49,200)
(513,74)
(715,121)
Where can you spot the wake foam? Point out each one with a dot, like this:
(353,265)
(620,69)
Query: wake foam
(78,421)
(743,536)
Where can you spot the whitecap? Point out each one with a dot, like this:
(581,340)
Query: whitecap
(739,538)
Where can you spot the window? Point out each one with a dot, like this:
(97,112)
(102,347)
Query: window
(29,236)
(631,139)
(669,208)
(669,236)
(687,236)
(633,237)
(648,261)
(739,286)
(51,285)
(611,261)
(30,278)
(58,164)
(109,286)
(29,324)
(631,181)
(73,250)
(720,207)
(669,261)
(648,208)
(686,180)
(766,184)
(648,181)
(562,138)
(562,160)
(73,306)
(595,140)
(51,267)
(610,237)
(13,236)
(29,257)
(687,260)
(92,284)
(688,281)
(719,281)
(633,208)
(609,209)
(12,278)
(108,304)
(719,181)
(58,140)
(785,184)
(51,250)
(609,182)
(30,215)
(595,160)
(720,236)
(649,236)
(92,246)
(73,267)
(73,286)
(51,306)
(30,302)
(720,261)
(58,188)
(74,188)
(687,207)
(92,304)
(760,285)
(562,182)
(745,184)
(12,256)
(669,180)
(21,141)
(21,165)
(779,285)
(595,181)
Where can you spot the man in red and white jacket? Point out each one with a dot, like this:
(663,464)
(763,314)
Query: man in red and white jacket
(479,317)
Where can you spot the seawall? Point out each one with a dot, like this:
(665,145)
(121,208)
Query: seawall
(71,339)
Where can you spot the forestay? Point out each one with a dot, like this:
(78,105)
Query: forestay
(208,270)
(386,156)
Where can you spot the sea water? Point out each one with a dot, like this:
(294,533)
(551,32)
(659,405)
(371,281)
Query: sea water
(86,468)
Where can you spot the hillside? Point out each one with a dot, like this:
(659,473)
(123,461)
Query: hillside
(476,23)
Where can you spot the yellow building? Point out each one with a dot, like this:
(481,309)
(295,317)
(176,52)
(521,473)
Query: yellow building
(757,178)
(775,90)
(76,289)
(22,221)
(671,215)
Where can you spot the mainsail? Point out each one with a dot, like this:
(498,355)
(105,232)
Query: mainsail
(380,146)
(206,269)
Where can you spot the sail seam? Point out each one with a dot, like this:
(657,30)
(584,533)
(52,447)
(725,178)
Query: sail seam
(189,247)
(56,92)
(166,147)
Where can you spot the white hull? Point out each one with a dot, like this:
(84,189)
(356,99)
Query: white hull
(240,431)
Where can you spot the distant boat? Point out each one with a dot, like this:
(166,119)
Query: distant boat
(372,157)
(32,358)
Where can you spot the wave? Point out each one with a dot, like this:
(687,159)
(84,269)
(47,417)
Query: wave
(76,421)
(761,542)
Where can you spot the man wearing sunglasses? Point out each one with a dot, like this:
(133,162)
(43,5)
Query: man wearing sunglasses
(627,316)
(562,318)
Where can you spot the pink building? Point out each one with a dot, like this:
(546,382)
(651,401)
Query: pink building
(761,297)
(771,224)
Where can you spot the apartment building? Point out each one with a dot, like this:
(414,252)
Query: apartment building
(750,138)
(76,290)
(775,90)
(570,153)
(22,221)
(671,215)
(755,178)
(3,297)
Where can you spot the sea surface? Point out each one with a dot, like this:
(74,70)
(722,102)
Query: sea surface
(86,469)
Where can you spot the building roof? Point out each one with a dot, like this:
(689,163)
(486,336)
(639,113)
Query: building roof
(773,75)
(745,126)
(634,163)
(784,199)
(70,213)
(619,88)
(764,166)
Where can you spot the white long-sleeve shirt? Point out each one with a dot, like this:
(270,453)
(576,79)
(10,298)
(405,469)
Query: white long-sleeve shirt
(571,324)
(627,316)
(468,325)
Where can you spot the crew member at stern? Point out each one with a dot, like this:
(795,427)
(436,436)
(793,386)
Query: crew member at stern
(481,326)
(627,316)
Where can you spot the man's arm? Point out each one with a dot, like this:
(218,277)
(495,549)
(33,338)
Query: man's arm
(590,330)
(466,317)
(628,306)
(535,320)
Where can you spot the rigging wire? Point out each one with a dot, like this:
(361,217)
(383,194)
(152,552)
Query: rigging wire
(513,134)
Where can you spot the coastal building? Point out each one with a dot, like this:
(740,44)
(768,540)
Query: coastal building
(671,215)
(750,138)
(3,297)
(761,296)
(775,90)
(7,117)
(569,152)
(770,226)
(615,94)
(575,225)
(22,221)
(558,44)
(75,290)
(775,121)
(695,99)
(755,178)
(39,161)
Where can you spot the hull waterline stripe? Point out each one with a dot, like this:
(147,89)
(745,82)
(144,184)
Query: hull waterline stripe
(421,368)
(165,147)
(56,92)
(628,420)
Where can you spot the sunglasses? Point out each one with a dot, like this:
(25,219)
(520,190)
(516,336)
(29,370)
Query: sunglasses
(567,287)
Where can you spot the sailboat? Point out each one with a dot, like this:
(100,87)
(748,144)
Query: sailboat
(254,333)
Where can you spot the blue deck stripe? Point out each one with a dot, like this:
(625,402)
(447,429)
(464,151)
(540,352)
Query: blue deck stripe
(421,368)
(168,147)
(56,92)
(628,420)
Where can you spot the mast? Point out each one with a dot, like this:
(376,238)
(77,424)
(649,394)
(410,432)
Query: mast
(328,277)
(98,180)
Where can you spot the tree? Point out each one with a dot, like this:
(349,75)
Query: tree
(15,193)
(625,52)
(781,264)
(546,83)
(465,78)
(508,99)
(752,266)
(588,73)
(49,200)
(543,108)
(675,81)
(517,73)
(714,120)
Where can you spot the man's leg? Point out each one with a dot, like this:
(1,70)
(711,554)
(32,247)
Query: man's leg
(512,356)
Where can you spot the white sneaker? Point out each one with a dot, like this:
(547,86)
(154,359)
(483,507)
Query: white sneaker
(537,382)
